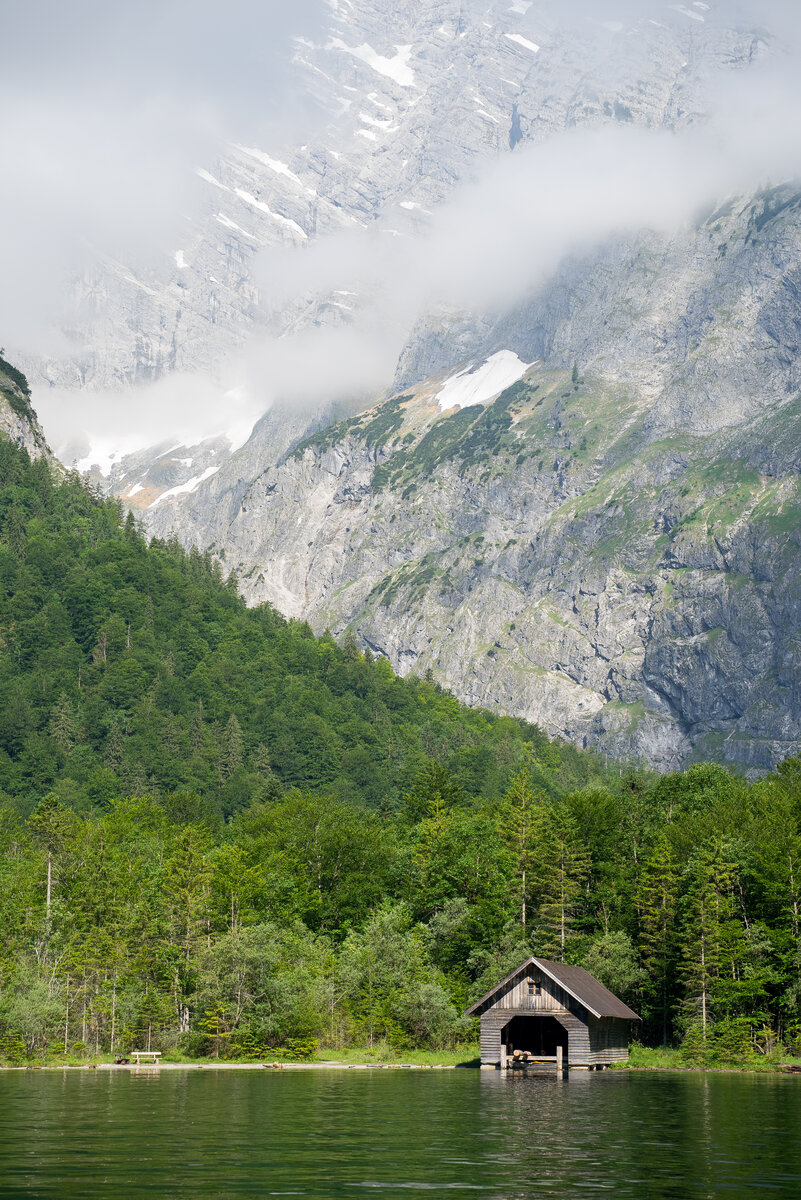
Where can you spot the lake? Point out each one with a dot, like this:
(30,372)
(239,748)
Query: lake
(216,1133)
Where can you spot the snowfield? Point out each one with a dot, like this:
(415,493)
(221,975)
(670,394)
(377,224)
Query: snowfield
(478,384)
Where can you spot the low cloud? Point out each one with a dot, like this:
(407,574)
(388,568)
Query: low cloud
(108,109)
(502,234)
(322,365)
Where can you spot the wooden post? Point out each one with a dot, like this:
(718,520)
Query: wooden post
(559,1053)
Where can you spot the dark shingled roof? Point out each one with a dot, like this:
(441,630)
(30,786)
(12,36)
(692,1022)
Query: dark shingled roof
(577,982)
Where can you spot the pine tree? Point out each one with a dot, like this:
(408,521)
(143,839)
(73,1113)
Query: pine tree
(131,529)
(714,946)
(54,826)
(115,745)
(64,725)
(230,757)
(14,532)
(657,900)
(188,876)
(434,791)
(100,652)
(350,647)
(561,865)
(519,821)
(196,733)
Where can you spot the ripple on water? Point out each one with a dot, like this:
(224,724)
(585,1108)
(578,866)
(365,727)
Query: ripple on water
(339,1133)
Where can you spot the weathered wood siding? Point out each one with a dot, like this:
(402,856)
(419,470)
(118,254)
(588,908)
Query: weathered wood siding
(552,999)
(494,1021)
(591,1041)
(609,1040)
(491,1041)
(578,1039)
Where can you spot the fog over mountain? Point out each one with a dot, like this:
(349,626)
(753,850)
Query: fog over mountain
(470,327)
(107,110)
(108,115)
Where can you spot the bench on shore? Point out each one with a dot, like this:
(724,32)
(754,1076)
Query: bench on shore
(151,1056)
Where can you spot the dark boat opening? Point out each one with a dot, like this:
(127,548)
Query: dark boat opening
(538,1035)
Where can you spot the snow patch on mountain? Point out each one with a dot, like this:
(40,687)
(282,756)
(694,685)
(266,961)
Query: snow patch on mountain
(478,384)
(687,12)
(191,485)
(229,224)
(254,202)
(275,165)
(396,68)
(524,42)
(207,177)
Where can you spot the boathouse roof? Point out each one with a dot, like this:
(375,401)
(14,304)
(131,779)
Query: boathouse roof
(577,982)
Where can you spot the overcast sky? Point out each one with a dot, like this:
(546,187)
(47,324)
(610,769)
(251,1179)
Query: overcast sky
(106,108)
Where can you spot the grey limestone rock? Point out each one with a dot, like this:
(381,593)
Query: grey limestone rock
(615,558)
(18,421)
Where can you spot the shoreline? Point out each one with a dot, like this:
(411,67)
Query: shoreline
(331,1065)
(336,1065)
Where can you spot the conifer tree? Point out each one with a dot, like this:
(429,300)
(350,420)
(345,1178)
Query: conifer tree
(114,745)
(196,727)
(657,901)
(188,876)
(520,820)
(63,725)
(230,757)
(561,868)
(714,947)
(54,825)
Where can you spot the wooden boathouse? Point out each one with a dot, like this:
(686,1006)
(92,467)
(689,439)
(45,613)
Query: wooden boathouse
(548,1012)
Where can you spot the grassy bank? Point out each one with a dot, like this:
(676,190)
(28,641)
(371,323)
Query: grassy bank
(666,1058)
(641,1058)
(464,1056)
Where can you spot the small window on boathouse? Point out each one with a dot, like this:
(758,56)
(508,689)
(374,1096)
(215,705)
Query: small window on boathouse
(533,988)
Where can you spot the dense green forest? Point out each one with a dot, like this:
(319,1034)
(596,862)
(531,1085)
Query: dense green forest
(130,669)
(221,834)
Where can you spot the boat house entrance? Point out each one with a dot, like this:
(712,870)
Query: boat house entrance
(539,1037)
(548,1013)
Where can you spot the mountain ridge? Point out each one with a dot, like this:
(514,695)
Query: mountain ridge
(617,560)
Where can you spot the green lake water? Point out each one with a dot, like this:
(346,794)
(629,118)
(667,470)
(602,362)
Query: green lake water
(395,1133)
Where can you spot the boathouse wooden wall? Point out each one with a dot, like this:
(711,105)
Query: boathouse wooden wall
(592,1041)
(609,1040)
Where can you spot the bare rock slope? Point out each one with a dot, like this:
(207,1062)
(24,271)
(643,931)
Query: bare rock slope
(611,545)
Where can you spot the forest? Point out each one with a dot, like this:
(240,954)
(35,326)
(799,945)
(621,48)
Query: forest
(221,835)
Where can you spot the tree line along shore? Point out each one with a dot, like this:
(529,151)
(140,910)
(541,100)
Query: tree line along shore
(223,836)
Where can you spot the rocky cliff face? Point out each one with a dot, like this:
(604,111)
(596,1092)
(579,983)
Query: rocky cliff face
(610,549)
(17,419)
(608,546)
(419,93)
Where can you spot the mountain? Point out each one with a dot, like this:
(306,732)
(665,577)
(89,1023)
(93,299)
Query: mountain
(609,546)
(18,421)
(417,97)
(579,507)
(220,834)
(131,668)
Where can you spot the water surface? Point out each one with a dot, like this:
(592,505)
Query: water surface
(209,1133)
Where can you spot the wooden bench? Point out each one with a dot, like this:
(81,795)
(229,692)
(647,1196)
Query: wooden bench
(151,1056)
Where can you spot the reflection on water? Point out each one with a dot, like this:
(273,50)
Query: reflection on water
(212,1133)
